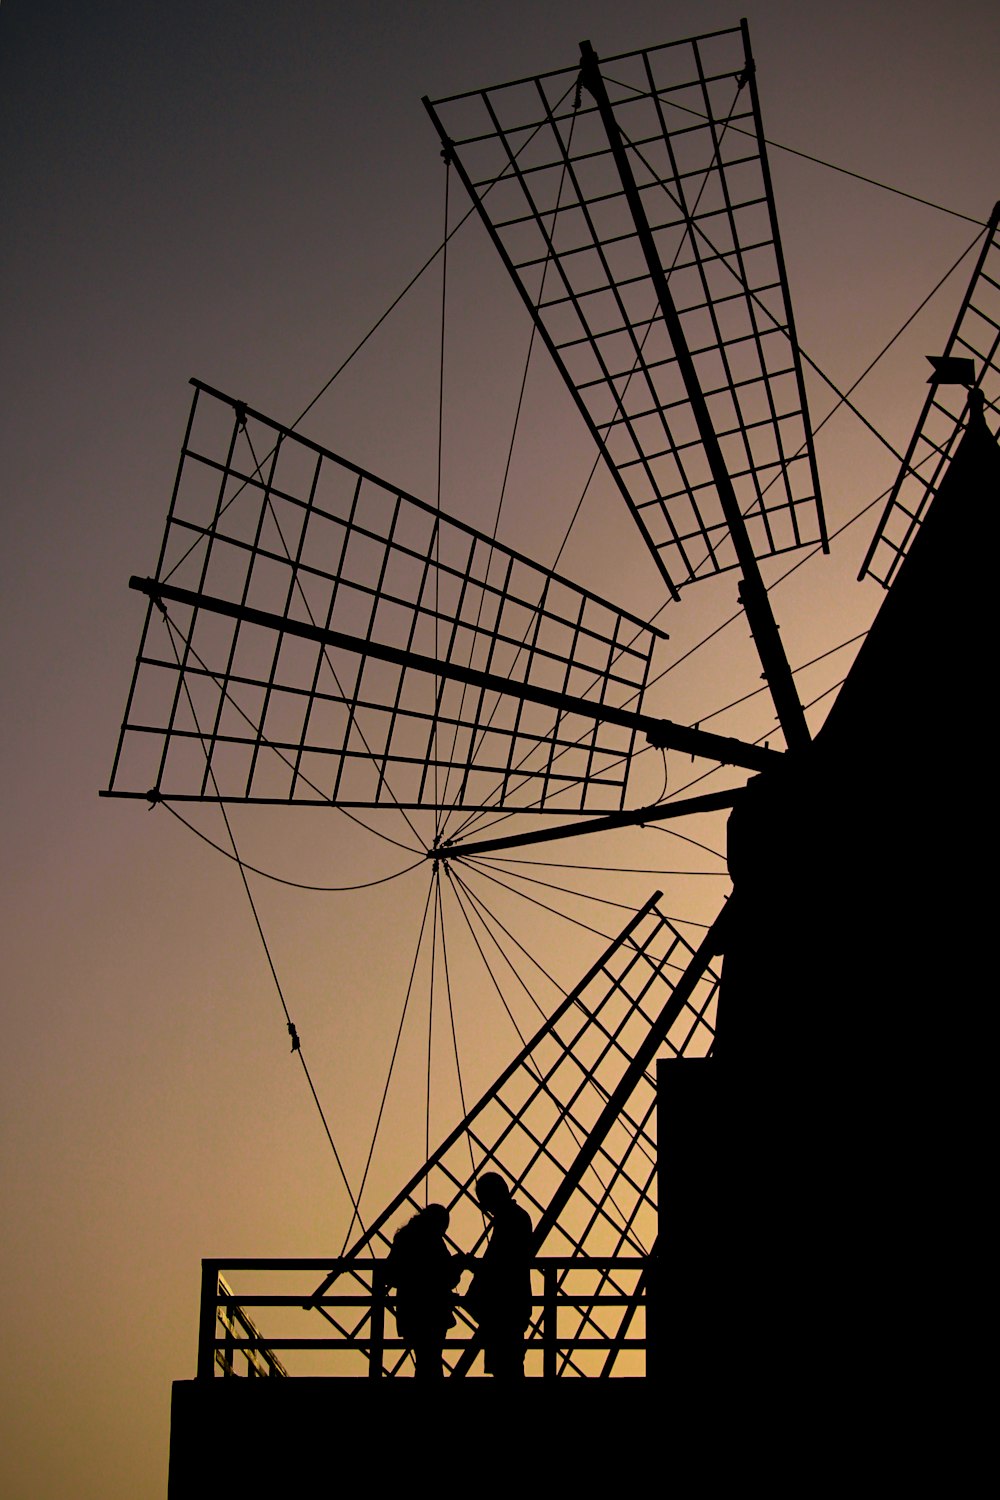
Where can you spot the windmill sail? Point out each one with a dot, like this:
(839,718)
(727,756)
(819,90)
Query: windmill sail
(299,613)
(605,208)
(975,337)
(571,1122)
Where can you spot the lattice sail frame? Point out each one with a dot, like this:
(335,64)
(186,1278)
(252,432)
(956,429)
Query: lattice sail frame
(939,429)
(648,989)
(537,161)
(228,709)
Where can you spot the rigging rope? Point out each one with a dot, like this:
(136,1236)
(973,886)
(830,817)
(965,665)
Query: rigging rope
(549,864)
(293,1033)
(595,1082)
(534,900)
(480,908)
(459,888)
(454,1032)
(379,321)
(817,160)
(458,885)
(440,683)
(738,615)
(570,891)
(447,820)
(392,1063)
(752,295)
(872,181)
(804,667)
(435,890)
(415,278)
(297,885)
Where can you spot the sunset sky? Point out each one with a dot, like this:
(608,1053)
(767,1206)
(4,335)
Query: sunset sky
(237,191)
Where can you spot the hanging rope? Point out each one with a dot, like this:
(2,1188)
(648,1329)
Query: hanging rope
(298,885)
(290,1026)
(296,1044)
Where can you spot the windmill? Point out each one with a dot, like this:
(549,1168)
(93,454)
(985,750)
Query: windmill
(315,635)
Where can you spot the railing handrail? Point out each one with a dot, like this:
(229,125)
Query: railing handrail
(217,1294)
(370,1262)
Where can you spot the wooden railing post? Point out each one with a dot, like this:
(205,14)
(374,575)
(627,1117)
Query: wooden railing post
(206,1319)
(550,1321)
(377,1348)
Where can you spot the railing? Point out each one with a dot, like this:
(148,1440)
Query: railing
(588,1319)
(241,1334)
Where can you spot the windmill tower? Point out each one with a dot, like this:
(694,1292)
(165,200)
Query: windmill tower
(317,636)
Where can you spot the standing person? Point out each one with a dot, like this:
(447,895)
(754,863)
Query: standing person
(500,1296)
(423,1270)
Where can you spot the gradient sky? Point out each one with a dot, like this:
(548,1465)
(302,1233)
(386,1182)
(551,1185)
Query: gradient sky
(237,191)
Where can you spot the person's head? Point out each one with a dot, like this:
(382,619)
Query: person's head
(492,1192)
(435,1218)
(426,1222)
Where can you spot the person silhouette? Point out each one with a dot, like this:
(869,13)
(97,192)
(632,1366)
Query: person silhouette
(500,1295)
(425,1274)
